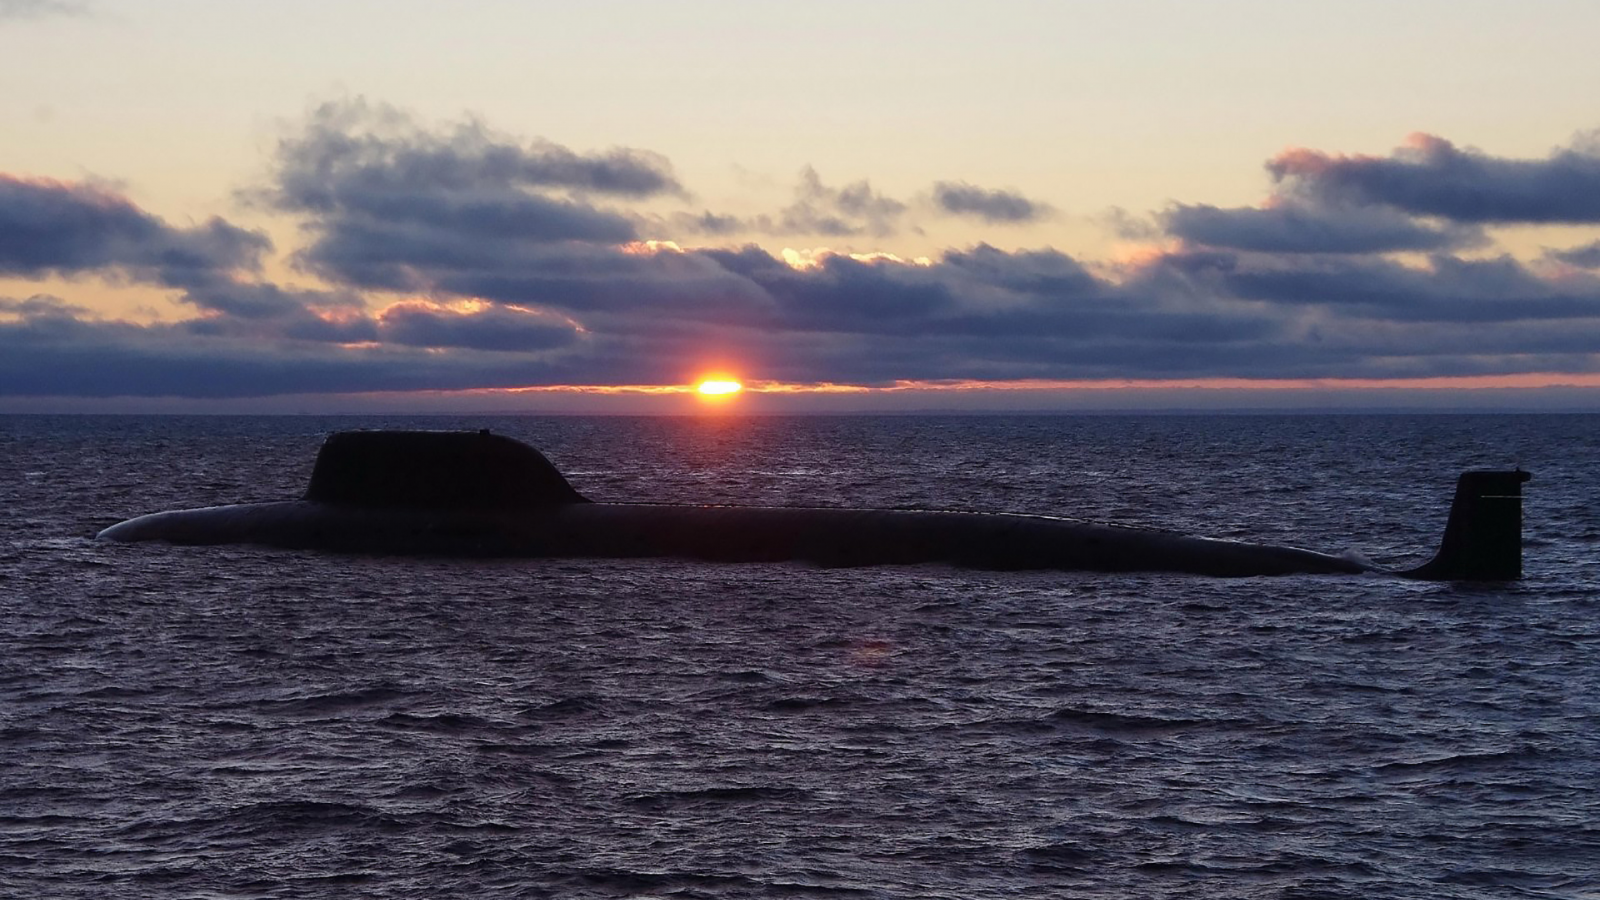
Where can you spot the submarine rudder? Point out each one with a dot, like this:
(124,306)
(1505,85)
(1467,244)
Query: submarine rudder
(1483,536)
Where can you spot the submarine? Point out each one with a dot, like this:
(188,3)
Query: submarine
(479,494)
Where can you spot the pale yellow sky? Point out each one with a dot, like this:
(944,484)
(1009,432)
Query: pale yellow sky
(1086,106)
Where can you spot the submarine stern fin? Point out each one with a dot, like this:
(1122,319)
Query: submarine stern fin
(1483,537)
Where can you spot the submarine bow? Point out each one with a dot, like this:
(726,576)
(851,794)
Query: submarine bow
(483,494)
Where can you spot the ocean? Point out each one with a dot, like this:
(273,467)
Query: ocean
(238,722)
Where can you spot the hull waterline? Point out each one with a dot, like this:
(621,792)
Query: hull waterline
(827,537)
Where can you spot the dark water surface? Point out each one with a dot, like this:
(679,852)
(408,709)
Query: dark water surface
(241,722)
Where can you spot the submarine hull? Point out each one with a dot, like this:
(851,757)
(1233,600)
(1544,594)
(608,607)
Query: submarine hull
(822,536)
(440,493)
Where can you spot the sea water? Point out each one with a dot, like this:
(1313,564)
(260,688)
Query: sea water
(247,722)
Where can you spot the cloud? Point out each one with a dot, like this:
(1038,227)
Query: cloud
(1433,177)
(818,210)
(37,9)
(1128,226)
(1587,256)
(42,306)
(839,212)
(606,281)
(1427,197)
(1313,228)
(51,227)
(53,350)
(417,324)
(391,203)
(1445,289)
(710,223)
(349,151)
(996,207)
(259,301)
(413,248)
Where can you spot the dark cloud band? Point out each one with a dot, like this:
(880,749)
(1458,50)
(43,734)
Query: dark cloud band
(456,258)
(1433,177)
(1314,228)
(56,228)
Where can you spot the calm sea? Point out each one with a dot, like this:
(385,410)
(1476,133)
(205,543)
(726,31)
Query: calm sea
(241,722)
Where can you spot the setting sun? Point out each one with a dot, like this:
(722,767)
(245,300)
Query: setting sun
(719,387)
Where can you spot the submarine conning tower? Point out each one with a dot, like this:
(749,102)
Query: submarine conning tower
(435,470)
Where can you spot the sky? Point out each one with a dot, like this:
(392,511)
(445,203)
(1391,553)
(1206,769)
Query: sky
(498,206)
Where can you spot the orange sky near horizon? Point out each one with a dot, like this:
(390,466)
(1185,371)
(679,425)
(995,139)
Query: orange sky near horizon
(1517,381)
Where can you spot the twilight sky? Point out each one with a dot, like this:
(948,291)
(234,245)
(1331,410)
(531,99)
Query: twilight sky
(494,205)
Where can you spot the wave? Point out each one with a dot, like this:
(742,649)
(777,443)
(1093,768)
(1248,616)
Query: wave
(718,796)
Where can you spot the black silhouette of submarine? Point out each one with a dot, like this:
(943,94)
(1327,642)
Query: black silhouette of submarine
(480,494)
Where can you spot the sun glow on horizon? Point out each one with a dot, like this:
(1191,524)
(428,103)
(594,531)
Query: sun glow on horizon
(719,387)
(721,391)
